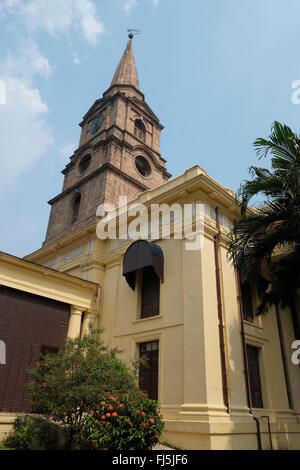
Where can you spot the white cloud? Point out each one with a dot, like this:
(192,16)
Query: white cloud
(59,16)
(129,4)
(67,150)
(54,16)
(26,63)
(76,58)
(25,134)
(91,25)
(9,6)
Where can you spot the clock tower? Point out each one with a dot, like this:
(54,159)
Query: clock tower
(118,153)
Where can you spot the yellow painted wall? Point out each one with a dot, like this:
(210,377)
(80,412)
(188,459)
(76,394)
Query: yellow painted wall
(190,383)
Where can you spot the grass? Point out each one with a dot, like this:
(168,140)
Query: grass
(5,448)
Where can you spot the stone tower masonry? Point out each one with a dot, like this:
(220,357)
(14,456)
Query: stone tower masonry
(118,154)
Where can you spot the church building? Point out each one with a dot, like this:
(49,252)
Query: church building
(224,378)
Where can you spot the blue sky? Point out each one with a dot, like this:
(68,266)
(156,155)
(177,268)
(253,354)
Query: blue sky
(217,73)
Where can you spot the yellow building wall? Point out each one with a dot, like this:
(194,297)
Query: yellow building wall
(190,381)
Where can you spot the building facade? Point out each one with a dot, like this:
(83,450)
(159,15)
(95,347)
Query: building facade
(224,378)
(39,308)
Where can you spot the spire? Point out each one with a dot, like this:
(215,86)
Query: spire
(126,73)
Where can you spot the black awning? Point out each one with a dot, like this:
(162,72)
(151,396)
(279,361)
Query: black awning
(140,255)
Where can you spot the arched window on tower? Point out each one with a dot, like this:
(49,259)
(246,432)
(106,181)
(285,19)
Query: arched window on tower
(140,130)
(76,207)
(84,163)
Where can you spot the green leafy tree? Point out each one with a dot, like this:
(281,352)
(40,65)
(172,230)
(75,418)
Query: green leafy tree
(68,387)
(265,242)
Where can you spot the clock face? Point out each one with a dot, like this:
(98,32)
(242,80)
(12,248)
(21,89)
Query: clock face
(96,124)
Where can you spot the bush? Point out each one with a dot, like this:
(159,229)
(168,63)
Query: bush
(66,388)
(121,423)
(34,434)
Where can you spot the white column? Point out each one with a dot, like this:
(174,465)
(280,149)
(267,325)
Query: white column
(75,322)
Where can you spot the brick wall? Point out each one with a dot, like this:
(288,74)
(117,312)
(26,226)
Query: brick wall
(92,193)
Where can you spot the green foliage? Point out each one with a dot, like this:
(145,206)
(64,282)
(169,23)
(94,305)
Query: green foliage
(66,386)
(258,236)
(33,434)
(121,423)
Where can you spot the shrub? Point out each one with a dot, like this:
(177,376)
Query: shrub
(66,386)
(121,423)
(34,434)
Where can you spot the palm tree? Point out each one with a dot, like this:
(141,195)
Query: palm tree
(265,242)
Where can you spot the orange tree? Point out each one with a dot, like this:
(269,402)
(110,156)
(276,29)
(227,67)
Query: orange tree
(125,424)
(68,388)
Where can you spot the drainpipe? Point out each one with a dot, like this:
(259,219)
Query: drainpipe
(269,429)
(295,321)
(258,431)
(220,315)
(246,370)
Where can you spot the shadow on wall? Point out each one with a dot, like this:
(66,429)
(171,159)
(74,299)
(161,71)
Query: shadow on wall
(270,432)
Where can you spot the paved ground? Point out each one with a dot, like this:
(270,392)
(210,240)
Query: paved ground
(162,447)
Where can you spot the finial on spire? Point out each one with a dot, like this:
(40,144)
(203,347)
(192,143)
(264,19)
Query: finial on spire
(133,32)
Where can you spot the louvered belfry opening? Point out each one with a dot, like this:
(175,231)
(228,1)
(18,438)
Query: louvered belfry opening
(148,377)
(254,377)
(139,129)
(30,325)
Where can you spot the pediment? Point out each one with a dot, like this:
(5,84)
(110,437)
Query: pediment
(146,108)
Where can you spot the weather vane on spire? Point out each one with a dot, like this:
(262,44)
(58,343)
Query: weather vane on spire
(133,32)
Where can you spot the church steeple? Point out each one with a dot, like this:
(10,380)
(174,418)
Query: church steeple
(126,73)
(118,153)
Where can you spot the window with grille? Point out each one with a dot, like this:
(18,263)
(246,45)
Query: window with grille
(150,293)
(246,293)
(148,376)
(254,377)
